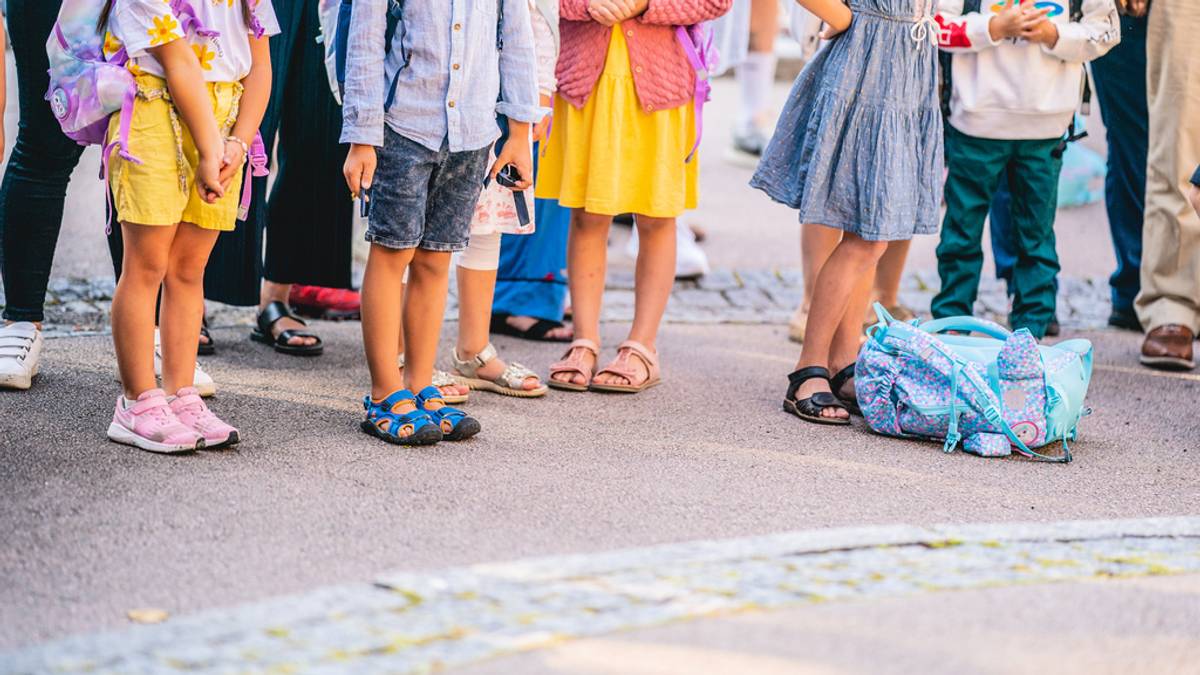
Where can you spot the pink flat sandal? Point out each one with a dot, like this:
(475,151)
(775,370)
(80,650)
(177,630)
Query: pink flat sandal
(622,368)
(574,366)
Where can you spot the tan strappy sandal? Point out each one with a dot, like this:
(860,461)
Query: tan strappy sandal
(574,366)
(510,383)
(441,380)
(621,368)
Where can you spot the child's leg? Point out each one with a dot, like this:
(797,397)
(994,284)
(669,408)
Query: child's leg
(847,273)
(424,308)
(183,304)
(1033,177)
(890,272)
(144,265)
(654,279)
(381,303)
(587,261)
(816,245)
(975,168)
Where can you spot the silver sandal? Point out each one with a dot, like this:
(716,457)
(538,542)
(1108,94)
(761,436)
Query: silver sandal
(442,379)
(510,383)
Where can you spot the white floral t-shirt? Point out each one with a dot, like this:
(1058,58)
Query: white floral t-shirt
(139,25)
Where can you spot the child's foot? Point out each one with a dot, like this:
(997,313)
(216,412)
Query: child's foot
(452,391)
(397,419)
(194,414)
(574,371)
(531,328)
(634,370)
(488,372)
(151,425)
(455,424)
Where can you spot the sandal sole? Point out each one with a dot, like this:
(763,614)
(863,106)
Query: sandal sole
(258,337)
(791,409)
(623,388)
(475,384)
(465,429)
(567,386)
(430,435)
(119,434)
(1167,363)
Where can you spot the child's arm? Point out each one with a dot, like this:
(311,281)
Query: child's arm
(185,81)
(547,56)
(362,105)
(682,12)
(977,31)
(256,92)
(833,12)
(518,91)
(1084,40)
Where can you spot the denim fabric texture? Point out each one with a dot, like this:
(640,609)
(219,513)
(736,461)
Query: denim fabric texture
(859,142)
(450,73)
(423,198)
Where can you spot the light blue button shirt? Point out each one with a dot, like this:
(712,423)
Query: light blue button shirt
(449,90)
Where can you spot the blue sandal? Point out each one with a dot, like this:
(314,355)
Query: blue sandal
(416,427)
(454,424)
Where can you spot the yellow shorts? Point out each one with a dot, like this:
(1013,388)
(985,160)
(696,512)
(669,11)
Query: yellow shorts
(161,190)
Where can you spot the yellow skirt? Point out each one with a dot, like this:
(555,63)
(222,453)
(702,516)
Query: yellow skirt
(612,157)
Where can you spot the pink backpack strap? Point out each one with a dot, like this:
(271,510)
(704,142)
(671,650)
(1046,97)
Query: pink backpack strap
(703,86)
(258,167)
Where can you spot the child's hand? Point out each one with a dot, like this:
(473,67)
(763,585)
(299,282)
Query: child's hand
(234,158)
(610,12)
(1194,197)
(1013,20)
(1044,32)
(208,178)
(359,168)
(516,151)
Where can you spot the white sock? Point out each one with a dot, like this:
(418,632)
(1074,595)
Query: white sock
(756,77)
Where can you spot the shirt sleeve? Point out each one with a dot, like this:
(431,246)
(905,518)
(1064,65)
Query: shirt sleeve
(362,106)
(547,52)
(960,32)
(518,84)
(264,11)
(1091,37)
(142,24)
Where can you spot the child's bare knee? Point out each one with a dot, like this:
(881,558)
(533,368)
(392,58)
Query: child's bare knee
(429,264)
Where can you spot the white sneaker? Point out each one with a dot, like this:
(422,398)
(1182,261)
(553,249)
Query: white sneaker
(690,260)
(20,350)
(202,381)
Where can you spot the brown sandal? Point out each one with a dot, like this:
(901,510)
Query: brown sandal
(622,368)
(574,366)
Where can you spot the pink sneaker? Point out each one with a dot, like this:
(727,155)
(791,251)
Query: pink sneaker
(150,425)
(195,415)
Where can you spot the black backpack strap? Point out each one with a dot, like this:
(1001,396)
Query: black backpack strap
(499,25)
(1076,10)
(971,6)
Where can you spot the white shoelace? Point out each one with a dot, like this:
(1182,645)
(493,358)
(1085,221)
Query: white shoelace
(926,26)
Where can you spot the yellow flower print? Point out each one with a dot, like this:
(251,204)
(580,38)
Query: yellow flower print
(111,44)
(163,30)
(205,56)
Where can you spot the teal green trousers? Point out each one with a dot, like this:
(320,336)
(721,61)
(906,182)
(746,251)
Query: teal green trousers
(976,165)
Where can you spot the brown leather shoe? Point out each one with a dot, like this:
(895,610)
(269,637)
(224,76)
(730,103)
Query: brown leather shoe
(1169,347)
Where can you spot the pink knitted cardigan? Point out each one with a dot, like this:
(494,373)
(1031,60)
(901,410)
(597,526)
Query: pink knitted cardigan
(662,75)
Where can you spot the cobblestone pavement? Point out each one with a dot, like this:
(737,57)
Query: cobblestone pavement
(737,296)
(421,622)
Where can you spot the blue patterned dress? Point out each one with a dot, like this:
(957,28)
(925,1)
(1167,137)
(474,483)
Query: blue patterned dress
(859,143)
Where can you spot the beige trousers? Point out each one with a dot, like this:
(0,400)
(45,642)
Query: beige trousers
(1171,238)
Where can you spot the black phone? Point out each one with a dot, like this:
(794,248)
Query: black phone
(509,177)
(364,203)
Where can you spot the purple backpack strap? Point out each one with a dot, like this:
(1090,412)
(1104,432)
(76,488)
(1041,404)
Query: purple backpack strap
(257,167)
(686,36)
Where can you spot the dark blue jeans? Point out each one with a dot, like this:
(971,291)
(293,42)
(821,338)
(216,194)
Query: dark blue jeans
(35,181)
(1120,79)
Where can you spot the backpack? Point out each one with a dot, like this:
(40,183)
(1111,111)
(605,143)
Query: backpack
(992,393)
(697,43)
(87,88)
(946,63)
(395,26)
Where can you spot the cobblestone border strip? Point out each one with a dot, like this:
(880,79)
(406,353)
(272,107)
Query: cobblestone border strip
(421,622)
(727,296)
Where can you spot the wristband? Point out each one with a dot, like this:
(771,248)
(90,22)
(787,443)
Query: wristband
(245,146)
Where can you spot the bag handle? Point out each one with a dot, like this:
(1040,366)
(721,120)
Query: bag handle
(966,323)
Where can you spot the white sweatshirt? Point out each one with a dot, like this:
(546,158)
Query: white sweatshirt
(1015,89)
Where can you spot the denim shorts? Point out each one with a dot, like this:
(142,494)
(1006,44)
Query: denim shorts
(422,198)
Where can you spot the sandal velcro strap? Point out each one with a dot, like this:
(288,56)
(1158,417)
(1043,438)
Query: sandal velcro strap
(382,416)
(272,313)
(568,365)
(803,375)
(470,367)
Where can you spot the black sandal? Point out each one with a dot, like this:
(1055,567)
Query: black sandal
(538,331)
(206,348)
(271,315)
(810,409)
(838,383)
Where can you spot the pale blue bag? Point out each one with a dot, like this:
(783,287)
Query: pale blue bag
(992,393)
